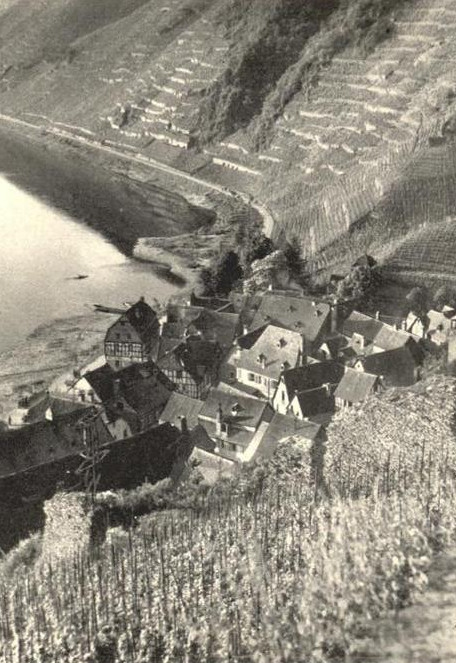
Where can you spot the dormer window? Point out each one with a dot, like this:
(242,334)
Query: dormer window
(285,366)
(281,343)
(261,359)
(236,408)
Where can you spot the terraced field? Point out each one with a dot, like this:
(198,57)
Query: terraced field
(351,161)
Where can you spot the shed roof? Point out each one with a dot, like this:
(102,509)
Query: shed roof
(356,386)
(250,411)
(283,427)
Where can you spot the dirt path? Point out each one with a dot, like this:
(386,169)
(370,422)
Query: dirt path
(426,631)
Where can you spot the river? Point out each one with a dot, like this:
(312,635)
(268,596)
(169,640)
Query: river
(42,249)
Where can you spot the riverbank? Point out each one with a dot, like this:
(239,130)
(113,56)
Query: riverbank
(50,350)
(121,202)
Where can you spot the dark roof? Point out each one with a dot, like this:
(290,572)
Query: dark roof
(190,355)
(43,442)
(142,319)
(312,376)
(300,314)
(180,406)
(315,401)
(356,386)
(250,411)
(396,365)
(365,261)
(282,427)
(217,326)
(247,340)
(336,344)
(142,386)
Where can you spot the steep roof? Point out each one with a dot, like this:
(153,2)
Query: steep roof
(375,331)
(314,401)
(397,365)
(301,314)
(190,355)
(142,386)
(180,406)
(277,346)
(356,386)
(283,427)
(312,376)
(43,442)
(217,326)
(249,411)
(142,319)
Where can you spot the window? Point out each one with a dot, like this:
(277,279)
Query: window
(178,375)
(251,377)
(283,396)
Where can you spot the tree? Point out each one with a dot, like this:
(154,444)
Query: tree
(444,296)
(221,276)
(252,243)
(417,299)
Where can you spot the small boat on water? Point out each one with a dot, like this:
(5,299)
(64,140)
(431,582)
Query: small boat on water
(108,309)
(78,277)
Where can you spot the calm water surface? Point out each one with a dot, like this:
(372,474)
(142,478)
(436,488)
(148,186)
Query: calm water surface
(42,249)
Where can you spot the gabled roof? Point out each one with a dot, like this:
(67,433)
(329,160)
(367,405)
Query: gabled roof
(142,319)
(359,323)
(142,386)
(249,411)
(275,347)
(314,401)
(356,386)
(375,331)
(220,326)
(43,442)
(180,406)
(283,427)
(312,376)
(190,355)
(301,314)
(397,365)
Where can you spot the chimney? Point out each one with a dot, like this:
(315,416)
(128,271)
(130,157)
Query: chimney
(142,299)
(270,287)
(116,387)
(184,425)
(245,329)
(377,315)
(219,420)
(334,317)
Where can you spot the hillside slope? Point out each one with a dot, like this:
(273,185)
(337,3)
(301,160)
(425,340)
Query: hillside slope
(338,115)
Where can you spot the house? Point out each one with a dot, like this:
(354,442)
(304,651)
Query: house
(49,442)
(397,367)
(313,402)
(282,428)
(355,387)
(332,348)
(441,323)
(182,408)
(261,356)
(369,335)
(304,378)
(232,421)
(37,459)
(132,398)
(416,325)
(192,365)
(312,319)
(30,409)
(180,322)
(132,337)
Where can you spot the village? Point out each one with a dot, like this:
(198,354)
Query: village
(211,382)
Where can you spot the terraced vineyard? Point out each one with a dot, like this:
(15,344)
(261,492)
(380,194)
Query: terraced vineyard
(341,149)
